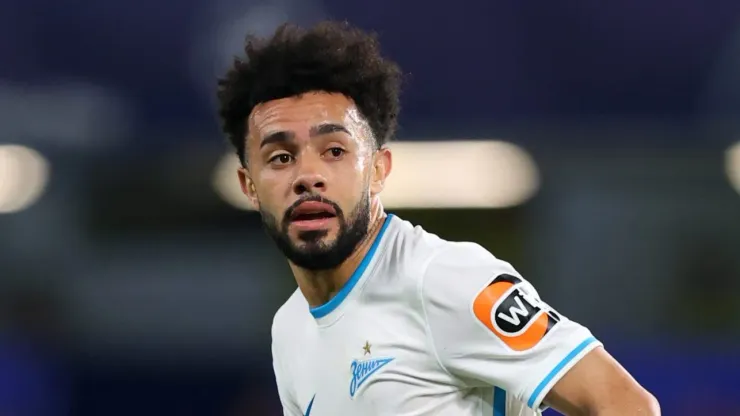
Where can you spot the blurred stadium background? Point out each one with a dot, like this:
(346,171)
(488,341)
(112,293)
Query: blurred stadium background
(595,147)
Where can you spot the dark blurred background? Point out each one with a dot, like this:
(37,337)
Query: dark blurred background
(593,149)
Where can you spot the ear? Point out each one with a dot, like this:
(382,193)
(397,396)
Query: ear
(248,188)
(382,163)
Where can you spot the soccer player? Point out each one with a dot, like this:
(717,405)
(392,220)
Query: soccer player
(388,319)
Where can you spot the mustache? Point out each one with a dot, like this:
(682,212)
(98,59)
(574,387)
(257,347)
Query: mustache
(312,198)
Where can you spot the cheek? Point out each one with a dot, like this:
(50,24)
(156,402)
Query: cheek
(350,174)
(351,186)
(274,182)
(357,166)
(270,193)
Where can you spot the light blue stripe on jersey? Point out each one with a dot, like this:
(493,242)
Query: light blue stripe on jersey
(555,371)
(325,309)
(499,402)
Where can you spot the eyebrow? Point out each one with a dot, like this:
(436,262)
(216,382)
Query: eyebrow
(327,128)
(277,137)
(286,136)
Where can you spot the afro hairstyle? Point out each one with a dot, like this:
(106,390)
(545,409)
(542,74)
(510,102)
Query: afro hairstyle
(332,57)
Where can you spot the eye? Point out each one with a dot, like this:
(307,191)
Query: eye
(281,159)
(336,152)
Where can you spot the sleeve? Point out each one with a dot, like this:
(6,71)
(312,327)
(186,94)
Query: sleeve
(286,398)
(488,326)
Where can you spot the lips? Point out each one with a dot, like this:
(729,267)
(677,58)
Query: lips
(312,210)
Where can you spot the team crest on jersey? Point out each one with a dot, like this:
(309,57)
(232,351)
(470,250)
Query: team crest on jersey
(513,314)
(363,370)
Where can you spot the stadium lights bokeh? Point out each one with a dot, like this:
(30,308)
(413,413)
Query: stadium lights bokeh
(24,174)
(447,174)
(732,165)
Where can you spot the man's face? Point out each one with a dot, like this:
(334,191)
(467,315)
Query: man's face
(310,173)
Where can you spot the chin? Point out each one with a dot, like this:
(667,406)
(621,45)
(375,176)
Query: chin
(323,237)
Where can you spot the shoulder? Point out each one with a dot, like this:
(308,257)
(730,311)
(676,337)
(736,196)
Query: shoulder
(428,261)
(411,247)
(463,266)
(414,247)
(460,272)
(458,262)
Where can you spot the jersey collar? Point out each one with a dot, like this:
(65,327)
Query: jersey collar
(322,311)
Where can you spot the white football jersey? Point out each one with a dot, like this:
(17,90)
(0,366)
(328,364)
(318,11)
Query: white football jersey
(423,327)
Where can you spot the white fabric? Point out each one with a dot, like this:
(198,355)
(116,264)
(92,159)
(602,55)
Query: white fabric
(414,332)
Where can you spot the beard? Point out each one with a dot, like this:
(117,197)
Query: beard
(313,253)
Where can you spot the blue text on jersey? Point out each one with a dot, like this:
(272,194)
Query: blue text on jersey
(362,370)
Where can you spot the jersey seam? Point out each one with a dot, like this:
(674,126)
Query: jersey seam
(482,400)
(427,327)
(280,374)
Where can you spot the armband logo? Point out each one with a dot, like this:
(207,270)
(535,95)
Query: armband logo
(516,317)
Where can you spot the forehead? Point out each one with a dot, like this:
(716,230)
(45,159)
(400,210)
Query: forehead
(302,111)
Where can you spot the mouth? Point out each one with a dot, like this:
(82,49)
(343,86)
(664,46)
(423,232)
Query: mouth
(311,216)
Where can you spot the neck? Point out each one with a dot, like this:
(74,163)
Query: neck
(318,287)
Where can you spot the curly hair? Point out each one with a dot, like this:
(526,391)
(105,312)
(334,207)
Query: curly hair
(330,57)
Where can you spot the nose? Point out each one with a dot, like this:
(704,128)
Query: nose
(309,179)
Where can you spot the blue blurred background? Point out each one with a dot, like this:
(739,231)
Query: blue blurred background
(596,149)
